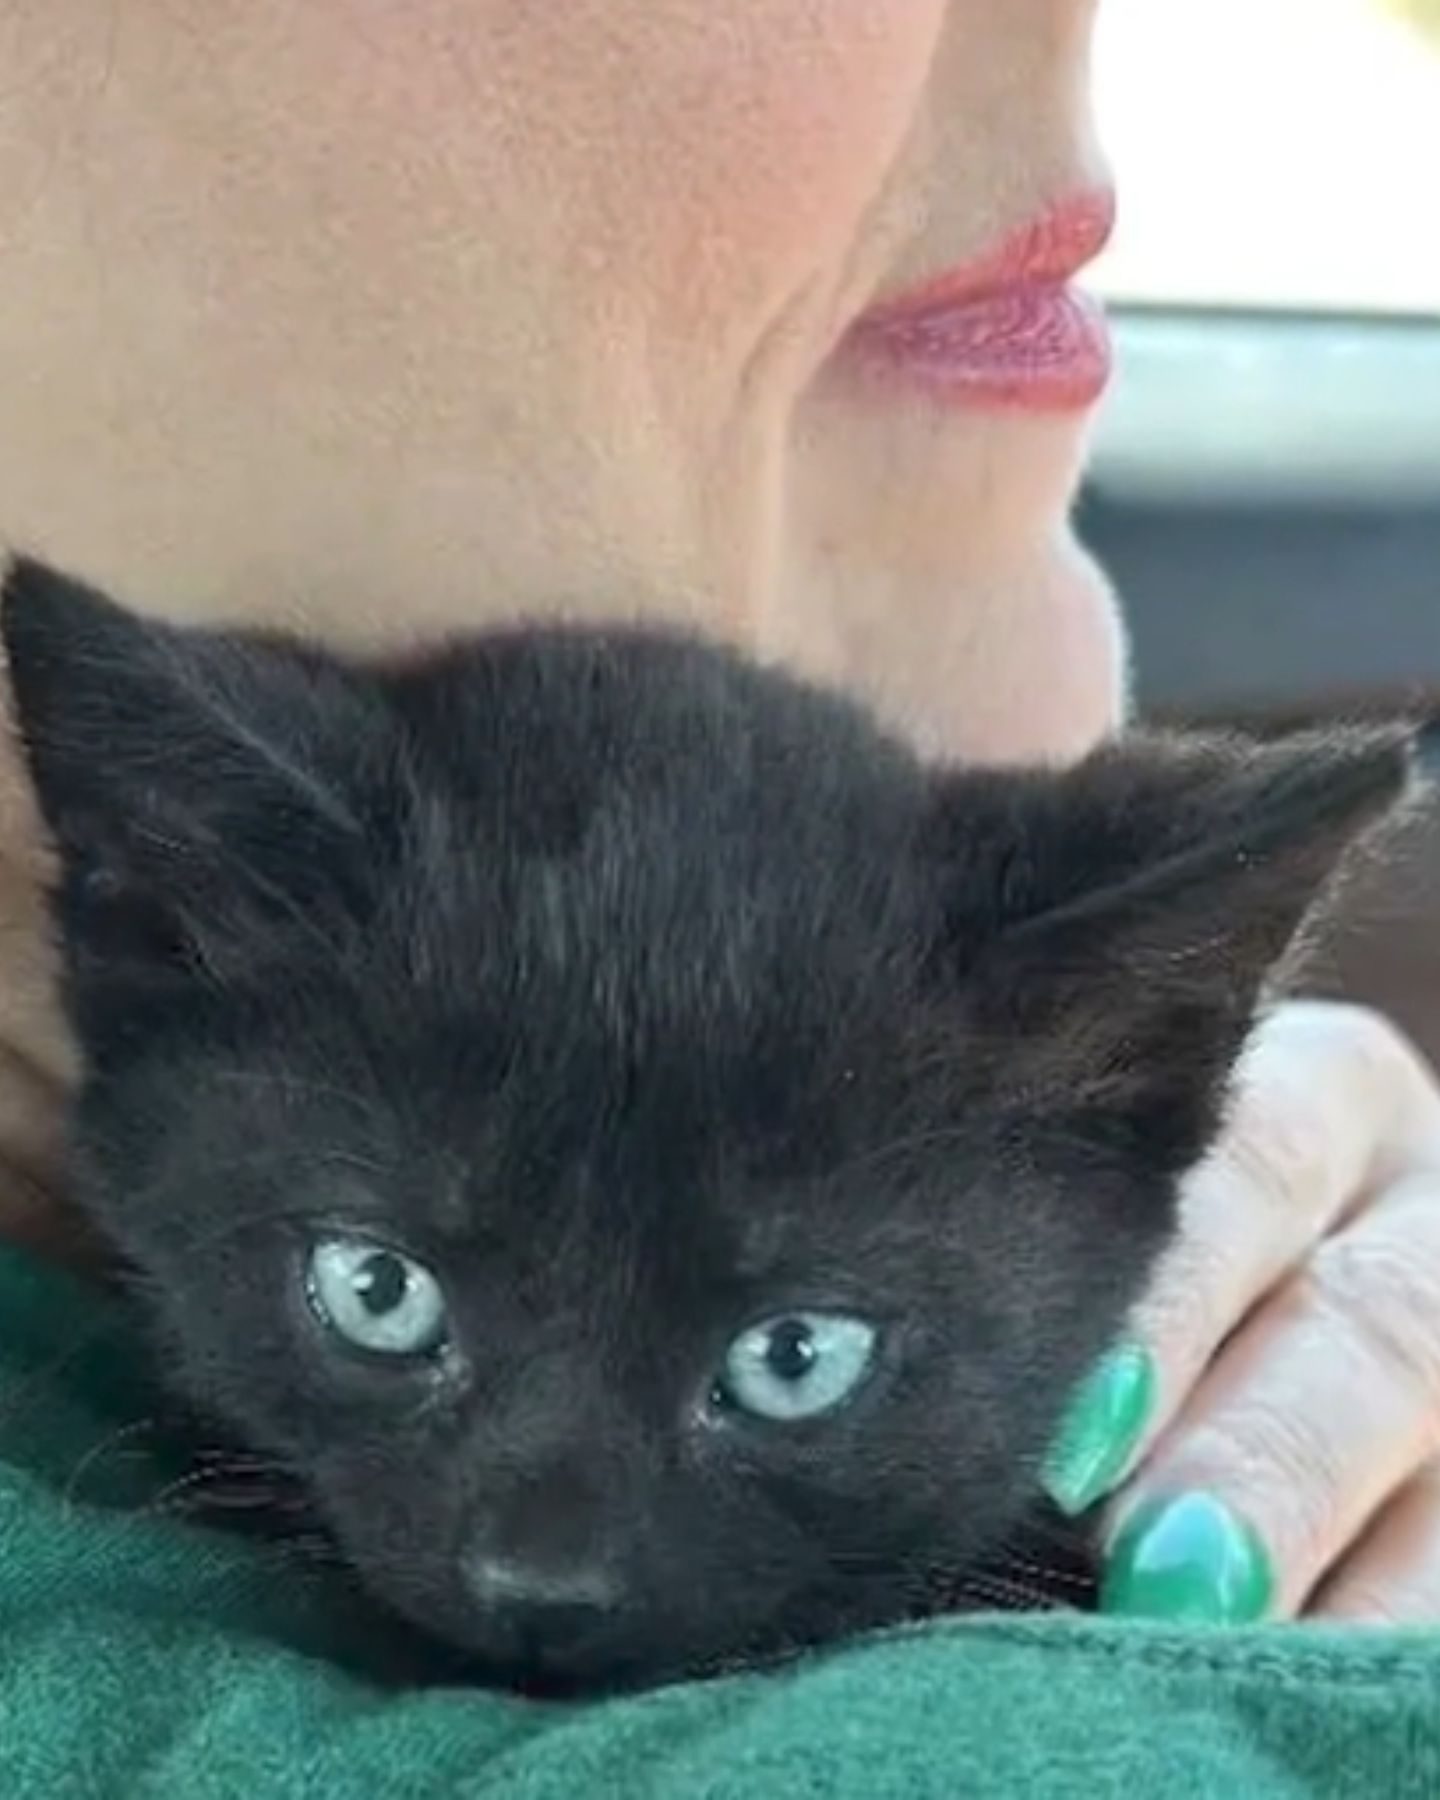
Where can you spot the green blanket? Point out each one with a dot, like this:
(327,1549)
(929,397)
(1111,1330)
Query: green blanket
(142,1657)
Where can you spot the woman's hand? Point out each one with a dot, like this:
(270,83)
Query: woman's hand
(1275,1423)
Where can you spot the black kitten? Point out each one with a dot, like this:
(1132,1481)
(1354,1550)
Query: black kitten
(649,1155)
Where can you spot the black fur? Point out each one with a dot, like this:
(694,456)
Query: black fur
(641,995)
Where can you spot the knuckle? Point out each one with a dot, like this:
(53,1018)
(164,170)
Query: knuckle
(1369,1054)
(1271,1152)
(1189,1305)
(1386,1296)
(1332,1028)
(1291,1473)
(1323,1091)
(1375,1049)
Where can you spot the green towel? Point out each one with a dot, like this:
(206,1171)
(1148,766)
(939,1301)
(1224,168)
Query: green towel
(142,1657)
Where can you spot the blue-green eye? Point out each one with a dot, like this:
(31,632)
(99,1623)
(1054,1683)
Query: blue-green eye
(799,1365)
(375,1298)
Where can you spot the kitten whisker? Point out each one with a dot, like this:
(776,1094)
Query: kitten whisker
(992,1592)
(1043,1575)
(228,1486)
(164,1500)
(290,1083)
(919,1142)
(123,1435)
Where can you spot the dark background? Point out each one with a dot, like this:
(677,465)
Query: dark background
(1269,615)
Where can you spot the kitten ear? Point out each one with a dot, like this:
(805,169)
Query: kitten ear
(1118,922)
(198,786)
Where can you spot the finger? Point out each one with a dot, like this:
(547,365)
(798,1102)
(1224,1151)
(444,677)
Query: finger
(1319,1410)
(1392,1577)
(1330,1102)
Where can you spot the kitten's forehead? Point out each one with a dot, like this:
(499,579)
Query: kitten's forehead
(687,1154)
(650,935)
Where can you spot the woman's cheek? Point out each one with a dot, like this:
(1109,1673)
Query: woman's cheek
(792,127)
(708,162)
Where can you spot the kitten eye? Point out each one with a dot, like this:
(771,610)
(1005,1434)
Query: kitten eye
(376,1299)
(798,1366)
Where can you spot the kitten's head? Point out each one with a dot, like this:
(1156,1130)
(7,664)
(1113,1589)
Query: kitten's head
(649,1155)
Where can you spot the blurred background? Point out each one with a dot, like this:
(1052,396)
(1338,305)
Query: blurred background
(1266,486)
(1275,153)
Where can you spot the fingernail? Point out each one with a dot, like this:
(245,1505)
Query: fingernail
(1104,1422)
(1188,1558)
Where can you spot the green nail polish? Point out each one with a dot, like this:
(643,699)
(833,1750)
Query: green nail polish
(1190,1559)
(1104,1422)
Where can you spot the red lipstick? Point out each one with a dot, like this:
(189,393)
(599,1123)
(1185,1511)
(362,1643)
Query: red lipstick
(1006,330)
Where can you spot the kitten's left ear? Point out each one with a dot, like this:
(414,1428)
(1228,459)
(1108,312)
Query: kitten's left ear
(207,784)
(1120,920)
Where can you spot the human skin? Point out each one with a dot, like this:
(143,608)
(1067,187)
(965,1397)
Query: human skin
(378,320)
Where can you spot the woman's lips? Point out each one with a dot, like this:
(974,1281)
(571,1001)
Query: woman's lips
(1007,330)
